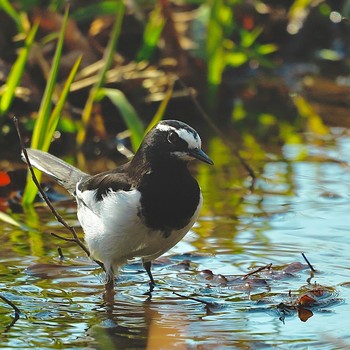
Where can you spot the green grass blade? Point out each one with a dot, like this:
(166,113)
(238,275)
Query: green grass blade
(107,58)
(41,138)
(16,73)
(40,128)
(31,189)
(220,25)
(56,113)
(8,8)
(87,13)
(151,34)
(127,112)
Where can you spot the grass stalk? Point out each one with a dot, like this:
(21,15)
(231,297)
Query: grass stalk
(108,59)
(48,118)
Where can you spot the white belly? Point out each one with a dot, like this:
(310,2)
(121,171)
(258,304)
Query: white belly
(114,232)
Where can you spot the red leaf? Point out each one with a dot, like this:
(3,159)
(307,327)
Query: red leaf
(4,178)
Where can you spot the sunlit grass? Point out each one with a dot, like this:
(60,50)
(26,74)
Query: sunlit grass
(222,51)
(7,7)
(13,80)
(151,34)
(127,111)
(48,118)
(108,59)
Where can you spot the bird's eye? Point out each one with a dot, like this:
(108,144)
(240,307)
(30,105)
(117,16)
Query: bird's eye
(172,137)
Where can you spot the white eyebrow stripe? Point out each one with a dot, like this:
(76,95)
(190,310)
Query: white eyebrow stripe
(164,127)
(193,140)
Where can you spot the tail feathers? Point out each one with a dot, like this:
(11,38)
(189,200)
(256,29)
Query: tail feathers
(62,172)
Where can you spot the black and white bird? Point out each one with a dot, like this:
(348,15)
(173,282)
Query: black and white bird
(142,208)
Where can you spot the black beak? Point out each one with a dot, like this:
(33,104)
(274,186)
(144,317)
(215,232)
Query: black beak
(200,155)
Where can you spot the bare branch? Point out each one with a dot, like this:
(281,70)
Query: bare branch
(16,310)
(266,267)
(308,262)
(14,307)
(58,217)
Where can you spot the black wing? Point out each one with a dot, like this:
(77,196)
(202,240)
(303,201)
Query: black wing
(115,180)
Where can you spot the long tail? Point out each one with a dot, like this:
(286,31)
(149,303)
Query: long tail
(62,172)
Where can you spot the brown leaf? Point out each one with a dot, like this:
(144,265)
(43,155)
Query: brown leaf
(306,300)
(206,274)
(304,314)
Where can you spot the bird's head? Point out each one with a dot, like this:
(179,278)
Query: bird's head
(172,139)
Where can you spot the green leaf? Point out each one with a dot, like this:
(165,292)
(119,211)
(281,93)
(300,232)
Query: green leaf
(266,49)
(55,116)
(16,73)
(248,38)
(236,59)
(127,112)
(100,8)
(66,124)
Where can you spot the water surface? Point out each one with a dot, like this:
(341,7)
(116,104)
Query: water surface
(300,203)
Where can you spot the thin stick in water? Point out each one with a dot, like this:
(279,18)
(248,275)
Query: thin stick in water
(14,307)
(308,262)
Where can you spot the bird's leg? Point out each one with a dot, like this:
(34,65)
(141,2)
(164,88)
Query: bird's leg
(109,287)
(110,284)
(147,266)
(109,293)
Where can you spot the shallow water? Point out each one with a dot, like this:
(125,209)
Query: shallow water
(300,204)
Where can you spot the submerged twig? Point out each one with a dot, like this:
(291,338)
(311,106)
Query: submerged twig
(15,309)
(206,117)
(244,277)
(58,217)
(308,262)
(60,253)
(208,303)
(266,267)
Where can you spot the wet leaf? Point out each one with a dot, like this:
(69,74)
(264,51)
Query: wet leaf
(306,300)
(53,270)
(183,265)
(304,314)
(206,275)
(294,267)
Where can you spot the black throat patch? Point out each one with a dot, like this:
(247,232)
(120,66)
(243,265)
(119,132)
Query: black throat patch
(169,198)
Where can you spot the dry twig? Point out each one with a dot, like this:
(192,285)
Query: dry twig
(58,217)
(266,267)
(193,298)
(308,262)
